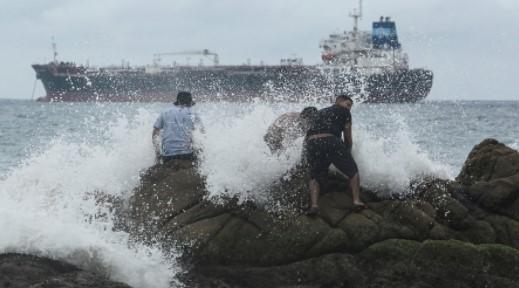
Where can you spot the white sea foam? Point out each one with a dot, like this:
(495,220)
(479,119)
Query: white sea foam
(235,159)
(237,162)
(389,163)
(47,206)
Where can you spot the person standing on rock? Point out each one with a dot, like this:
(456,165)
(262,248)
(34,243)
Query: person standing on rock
(324,146)
(287,128)
(176,126)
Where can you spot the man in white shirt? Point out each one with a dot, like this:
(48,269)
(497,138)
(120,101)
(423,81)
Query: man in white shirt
(176,126)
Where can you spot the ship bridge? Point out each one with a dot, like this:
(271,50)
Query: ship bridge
(370,51)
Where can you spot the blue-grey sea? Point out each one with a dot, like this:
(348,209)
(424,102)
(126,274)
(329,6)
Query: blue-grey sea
(54,155)
(445,130)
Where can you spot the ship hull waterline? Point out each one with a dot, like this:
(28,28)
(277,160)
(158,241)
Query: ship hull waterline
(278,84)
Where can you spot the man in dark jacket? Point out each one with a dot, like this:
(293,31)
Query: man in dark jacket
(325,146)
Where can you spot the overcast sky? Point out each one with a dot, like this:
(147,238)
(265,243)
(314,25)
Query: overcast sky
(472,46)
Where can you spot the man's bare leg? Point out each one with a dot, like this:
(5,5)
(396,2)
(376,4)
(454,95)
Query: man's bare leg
(314,193)
(355,189)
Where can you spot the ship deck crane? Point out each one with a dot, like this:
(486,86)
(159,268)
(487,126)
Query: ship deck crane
(157,57)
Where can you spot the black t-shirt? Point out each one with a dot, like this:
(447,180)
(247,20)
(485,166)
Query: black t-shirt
(330,120)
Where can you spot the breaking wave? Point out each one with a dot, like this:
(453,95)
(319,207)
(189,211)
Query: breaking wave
(237,162)
(49,207)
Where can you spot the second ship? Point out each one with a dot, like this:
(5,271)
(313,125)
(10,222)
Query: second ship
(368,64)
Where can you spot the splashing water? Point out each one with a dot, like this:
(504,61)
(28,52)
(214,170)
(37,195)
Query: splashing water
(47,206)
(387,164)
(237,162)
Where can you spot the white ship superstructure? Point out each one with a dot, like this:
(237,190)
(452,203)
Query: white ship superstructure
(365,52)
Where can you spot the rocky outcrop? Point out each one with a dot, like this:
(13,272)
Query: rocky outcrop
(22,271)
(489,160)
(391,263)
(445,234)
(491,176)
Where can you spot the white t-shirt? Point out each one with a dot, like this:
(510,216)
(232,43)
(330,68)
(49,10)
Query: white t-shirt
(177,125)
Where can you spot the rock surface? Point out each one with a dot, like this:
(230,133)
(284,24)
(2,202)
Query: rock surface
(489,160)
(446,234)
(22,271)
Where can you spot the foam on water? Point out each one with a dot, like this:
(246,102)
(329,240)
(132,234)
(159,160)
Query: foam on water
(389,163)
(48,207)
(236,161)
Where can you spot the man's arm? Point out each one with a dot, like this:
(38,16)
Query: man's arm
(346,131)
(155,135)
(198,123)
(155,139)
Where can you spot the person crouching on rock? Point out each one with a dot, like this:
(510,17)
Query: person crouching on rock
(287,128)
(324,147)
(175,126)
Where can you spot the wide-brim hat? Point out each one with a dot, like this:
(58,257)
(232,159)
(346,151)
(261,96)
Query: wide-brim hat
(184,98)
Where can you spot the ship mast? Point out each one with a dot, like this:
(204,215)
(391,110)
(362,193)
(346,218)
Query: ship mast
(54,51)
(356,15)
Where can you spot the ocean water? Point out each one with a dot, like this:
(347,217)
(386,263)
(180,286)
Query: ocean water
(54,158)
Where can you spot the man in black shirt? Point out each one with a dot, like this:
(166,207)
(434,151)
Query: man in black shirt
(325,146)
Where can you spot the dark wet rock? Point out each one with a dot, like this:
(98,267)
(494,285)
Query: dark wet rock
(445,233)
(498,195)
(390,263)
(22,271)
(491,178)
(166,191)
(487,161)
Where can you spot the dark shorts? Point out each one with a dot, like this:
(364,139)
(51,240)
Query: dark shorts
(190,156)
(322,152)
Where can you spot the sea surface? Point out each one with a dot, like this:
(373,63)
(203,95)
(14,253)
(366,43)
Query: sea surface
(54,157)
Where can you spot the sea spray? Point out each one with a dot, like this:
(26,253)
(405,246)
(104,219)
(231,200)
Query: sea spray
(47,206)
(235,159)
(389,162)
(237,162)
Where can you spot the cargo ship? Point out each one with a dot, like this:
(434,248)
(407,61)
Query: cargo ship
(370,65)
